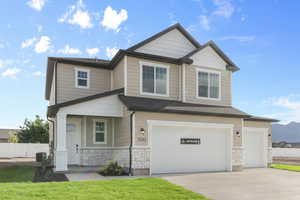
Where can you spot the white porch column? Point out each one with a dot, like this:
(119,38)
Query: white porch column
(61,155)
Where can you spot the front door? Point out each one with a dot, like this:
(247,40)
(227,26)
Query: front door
(73,140)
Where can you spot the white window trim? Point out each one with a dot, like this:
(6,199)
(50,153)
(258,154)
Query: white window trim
(76,78)
(105,131)
(141,78)
(197,79)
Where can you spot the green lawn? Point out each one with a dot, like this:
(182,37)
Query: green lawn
(139,189)
(16,174)
(286,167)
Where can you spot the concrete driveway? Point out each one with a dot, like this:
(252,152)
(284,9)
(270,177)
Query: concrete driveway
(250,184)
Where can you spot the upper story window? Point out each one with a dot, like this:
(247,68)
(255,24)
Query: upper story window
(100,131)
(82,77)
(154,79)
(208,84)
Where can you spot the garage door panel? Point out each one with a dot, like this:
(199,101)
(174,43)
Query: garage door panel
(255,147)
(169,156)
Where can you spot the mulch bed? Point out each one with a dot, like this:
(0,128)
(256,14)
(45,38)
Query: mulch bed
(53,177)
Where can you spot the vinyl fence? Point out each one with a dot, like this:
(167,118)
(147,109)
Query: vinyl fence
(286,152)
(13,150)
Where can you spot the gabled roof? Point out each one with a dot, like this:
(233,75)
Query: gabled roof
(110,64)
(230,65)
(52,110)
(171,106)
(175,26)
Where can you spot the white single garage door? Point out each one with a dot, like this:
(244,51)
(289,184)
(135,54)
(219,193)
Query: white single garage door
(171,154)
(255,144)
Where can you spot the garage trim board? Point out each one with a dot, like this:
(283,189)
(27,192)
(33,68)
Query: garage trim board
(229,127)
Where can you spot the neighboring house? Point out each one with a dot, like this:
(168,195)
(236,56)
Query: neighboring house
(5,134)
(161,106)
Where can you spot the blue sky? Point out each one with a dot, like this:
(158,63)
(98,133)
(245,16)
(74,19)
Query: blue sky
(261,37)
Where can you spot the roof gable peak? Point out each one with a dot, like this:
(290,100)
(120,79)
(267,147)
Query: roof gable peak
(177,26)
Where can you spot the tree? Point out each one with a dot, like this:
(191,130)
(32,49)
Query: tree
(13,137)
(36,131)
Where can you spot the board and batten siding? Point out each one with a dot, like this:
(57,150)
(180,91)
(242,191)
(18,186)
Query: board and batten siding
(133,79)
(66,89)
(142,117)
(172,44)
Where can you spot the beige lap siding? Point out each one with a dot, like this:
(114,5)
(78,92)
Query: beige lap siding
(66,90)
(90,131)
(118,76)
(133,79)
(191,86)
(122,129)
(142,117)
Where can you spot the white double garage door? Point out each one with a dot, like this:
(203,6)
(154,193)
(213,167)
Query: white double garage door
(180,147)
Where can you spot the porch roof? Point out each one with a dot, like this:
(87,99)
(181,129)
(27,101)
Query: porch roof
(171,106)
(52,110)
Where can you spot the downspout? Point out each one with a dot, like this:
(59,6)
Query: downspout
(131,142)
(52,145)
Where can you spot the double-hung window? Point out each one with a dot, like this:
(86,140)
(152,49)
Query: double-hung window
(154,79)
(82,78)
(100,131)
(208,84)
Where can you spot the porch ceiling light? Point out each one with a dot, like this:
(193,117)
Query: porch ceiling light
(238,133)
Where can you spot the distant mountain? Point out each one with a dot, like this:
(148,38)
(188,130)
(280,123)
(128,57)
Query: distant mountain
(288,133)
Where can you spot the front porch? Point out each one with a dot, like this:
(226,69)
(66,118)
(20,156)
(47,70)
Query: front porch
(87,134)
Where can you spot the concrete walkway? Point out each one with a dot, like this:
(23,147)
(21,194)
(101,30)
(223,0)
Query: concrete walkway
(84,177)
(250,184)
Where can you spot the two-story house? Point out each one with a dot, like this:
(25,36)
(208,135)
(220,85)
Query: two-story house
(161,106)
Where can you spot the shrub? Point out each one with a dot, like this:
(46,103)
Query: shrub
(113,169)
(45,171)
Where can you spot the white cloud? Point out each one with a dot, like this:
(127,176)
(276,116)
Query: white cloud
(112,19)
(39,28)
(26,61)
(205,22)
(92,51)
(5,63)
(11,72)
(69,50)
(291,106)
(43,45)
(2,45)
(28,42)
(37,73)
(239,38)
(111,52)
(224,8)
(36,4)
(77,14)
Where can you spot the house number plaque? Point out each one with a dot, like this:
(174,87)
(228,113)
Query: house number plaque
(190,141)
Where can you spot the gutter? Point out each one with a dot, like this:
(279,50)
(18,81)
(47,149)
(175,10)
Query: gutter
(131,142)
